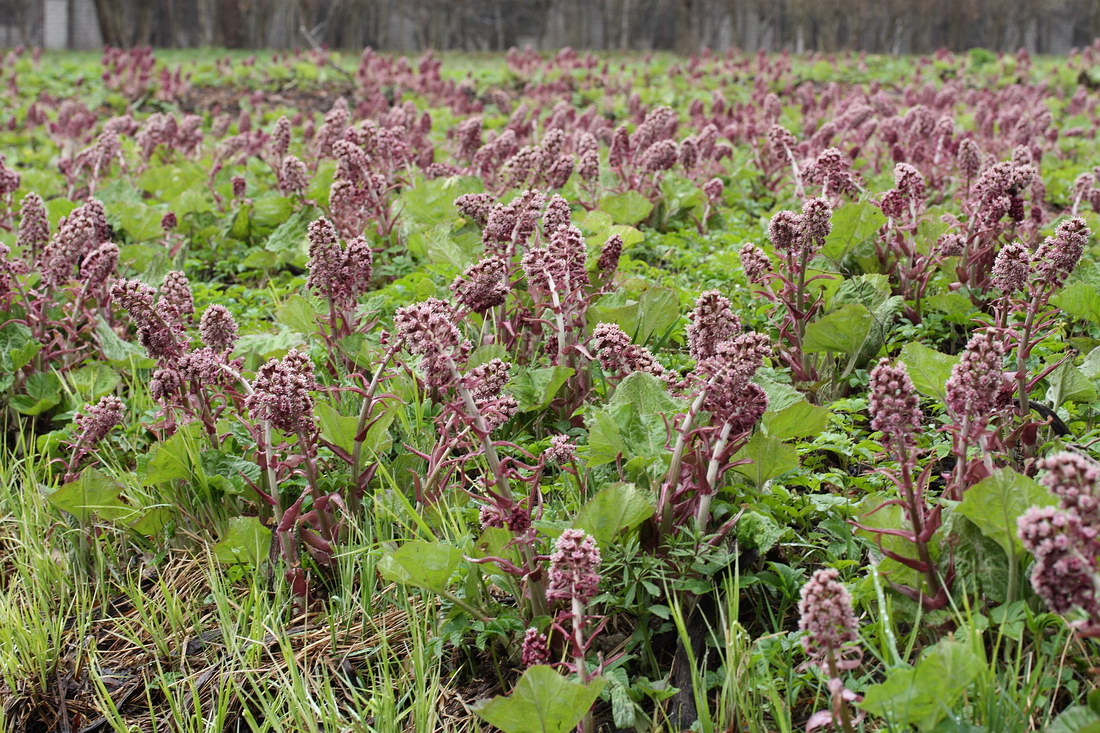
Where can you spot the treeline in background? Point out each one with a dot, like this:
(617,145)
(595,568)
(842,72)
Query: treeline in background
(877,26)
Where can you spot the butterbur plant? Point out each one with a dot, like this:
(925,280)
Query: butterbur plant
(831,639)
(796,238)
(1063,539)
(895,412)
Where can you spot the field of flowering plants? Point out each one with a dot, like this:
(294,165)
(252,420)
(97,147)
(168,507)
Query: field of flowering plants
(549,392)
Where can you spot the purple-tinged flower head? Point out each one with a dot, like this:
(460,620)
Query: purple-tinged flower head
(730,396)
(619,357)
(487,380)
(1075,480)
(755,263)
(660,156)
(784,230)
(359,265)
(969,158)
(781,141)
(610,253)
(176,291)
(712,321)
(562,450)
(1011,268)
(428,328)
(326,261)
(240,186)
(280,138)
(293,176)
(99,264)
(535,649)
(557,213)
(482,286)
(909,181)
(93,210)
(894,405)
(34,225)
(95,421)
(833,171)
(976,383)
(468,136)
(557,175)
(588,157)
(689,153)
(159,325)
(281,394)
(621,149)
(218,328)
(492,516)
(814,225)
(713,189)
(950,245)
(9,179)
(353,163)
(1057,256)
(165,385)
(574,567)
(825,614)
(486,384)
(475,207)
(74,238)
(894,204)
(135,297)
(168,222)
(553,142)
(1063,575)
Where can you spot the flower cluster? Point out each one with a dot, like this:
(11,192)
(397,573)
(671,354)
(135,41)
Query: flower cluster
(894,405)
(339,274)
(281,394)
(95,421)
(977,383)
(574,567)
(1065,540)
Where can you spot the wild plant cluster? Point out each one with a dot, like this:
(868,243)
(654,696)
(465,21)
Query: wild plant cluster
(766,352)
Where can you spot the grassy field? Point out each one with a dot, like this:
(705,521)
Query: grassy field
(462,392)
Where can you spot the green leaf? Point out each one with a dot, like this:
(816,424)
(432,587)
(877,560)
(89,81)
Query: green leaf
(119,352)
(535,387)
(647,393)
(427,565)
(843,331)
(92,492)
(43,392)
(340,429)
(758,532)
(770,458)
(629,207)
(924,694)
(246,540)
(615,508)
(171,459)
(995,503)
(140,221)
(1067,383)
(641,313)
(92,381)
(1080,300)
(17,347)
(853,227)
(298,314)
(542,702)
(928,368)
(1075,719)
(799,420)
